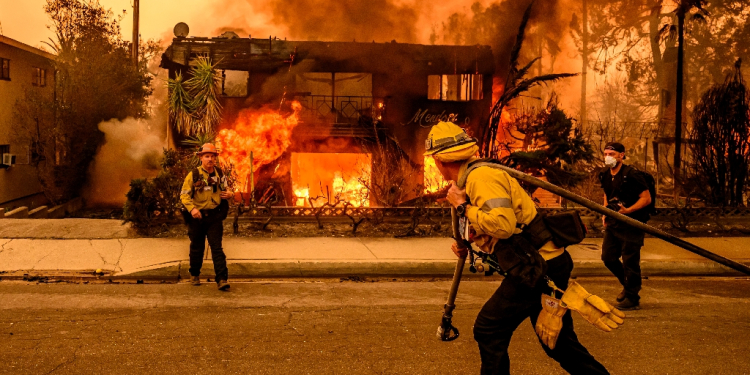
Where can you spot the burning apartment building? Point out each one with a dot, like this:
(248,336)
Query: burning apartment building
(337,118)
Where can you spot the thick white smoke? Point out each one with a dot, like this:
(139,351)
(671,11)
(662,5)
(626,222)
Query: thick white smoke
(132,149)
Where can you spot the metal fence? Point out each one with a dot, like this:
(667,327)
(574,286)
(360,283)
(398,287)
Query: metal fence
(339,109)
(408,212)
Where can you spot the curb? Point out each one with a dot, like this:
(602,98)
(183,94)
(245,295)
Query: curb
(265,269)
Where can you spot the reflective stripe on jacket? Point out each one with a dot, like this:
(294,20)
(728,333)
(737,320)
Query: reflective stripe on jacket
(498,204)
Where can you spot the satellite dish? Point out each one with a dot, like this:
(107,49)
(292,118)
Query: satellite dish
(181,30)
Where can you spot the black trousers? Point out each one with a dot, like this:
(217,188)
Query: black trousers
(511,304)
(625,243)
(211,227)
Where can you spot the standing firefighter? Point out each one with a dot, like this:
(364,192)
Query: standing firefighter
(205,198)
(501,216)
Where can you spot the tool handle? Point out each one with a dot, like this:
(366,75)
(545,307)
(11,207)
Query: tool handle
(446,328)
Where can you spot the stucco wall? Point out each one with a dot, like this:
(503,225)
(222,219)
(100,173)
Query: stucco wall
(20,180)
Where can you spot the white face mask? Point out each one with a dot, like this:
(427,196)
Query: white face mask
(610,161)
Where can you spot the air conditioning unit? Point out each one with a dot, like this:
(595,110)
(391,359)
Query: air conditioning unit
(9,160)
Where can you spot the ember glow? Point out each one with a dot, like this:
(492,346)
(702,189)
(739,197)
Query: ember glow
(341,176)
(433,179)
(265,132)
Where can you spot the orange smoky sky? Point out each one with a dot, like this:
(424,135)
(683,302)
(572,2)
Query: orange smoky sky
(380,20)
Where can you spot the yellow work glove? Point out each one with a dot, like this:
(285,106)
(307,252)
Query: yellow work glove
(549,323)
(592,308)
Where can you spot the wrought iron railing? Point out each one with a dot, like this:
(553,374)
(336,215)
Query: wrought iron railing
(406,212)
(339,109)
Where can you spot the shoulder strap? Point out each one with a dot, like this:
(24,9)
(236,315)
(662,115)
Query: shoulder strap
(627,170)
(492,163)
(602,173)
(196,176)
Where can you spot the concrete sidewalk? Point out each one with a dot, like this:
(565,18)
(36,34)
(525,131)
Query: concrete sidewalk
(154,258)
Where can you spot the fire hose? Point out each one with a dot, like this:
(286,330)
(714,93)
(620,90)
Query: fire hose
(446,328)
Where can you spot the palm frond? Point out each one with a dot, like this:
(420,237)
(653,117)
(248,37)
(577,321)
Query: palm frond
(193,103)
(516,51)
(180,105)
(515,85)
(204,87)
(527,84)
(523,71)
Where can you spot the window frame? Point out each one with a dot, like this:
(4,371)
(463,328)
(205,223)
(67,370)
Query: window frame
(4,69)
(39,77)
(466,86)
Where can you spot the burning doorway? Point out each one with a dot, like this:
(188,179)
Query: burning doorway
(331,177)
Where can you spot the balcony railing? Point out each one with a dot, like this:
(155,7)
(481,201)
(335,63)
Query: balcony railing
(340,109)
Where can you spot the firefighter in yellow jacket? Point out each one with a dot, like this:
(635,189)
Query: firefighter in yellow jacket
(497,208)
(205,199)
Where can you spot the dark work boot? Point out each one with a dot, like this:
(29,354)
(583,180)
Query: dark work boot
(628,304)
(195,280)
(621,296)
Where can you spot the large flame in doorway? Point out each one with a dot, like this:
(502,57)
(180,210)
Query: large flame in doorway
(331,177)
(265,132)
(433,179)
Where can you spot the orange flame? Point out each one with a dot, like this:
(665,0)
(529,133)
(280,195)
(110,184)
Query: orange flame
(433,179)
(265,132)
(498,87)
(338,176)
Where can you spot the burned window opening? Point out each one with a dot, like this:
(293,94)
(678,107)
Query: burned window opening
(234,83)
(455,87)
(328,177)
(337,97)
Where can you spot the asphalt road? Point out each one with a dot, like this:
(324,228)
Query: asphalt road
(686,326)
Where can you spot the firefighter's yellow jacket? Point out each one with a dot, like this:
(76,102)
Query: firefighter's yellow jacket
(498,203)
(205,197)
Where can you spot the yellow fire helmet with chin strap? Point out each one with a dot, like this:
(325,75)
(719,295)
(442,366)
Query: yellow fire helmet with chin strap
(448,142)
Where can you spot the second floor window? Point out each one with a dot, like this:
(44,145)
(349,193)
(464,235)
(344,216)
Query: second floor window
(455,87)
(39,77)
(5,69)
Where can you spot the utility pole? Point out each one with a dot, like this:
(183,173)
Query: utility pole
(585,60)
(136,11)
(679,93)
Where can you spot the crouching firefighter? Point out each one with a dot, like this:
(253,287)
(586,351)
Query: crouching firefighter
(205,203)
(500,218)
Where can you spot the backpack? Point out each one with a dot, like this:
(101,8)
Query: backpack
(650,184)
(197,176)
(223,206)
(563,228)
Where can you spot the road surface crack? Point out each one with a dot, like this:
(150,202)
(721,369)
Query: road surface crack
(122,251)
(91,244)
(366,247)
(75,357)
(2,247)
(289,324)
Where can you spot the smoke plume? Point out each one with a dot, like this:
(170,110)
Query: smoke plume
(132,149)
(486,22)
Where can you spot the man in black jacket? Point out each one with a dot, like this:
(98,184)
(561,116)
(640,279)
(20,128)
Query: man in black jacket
(625,191)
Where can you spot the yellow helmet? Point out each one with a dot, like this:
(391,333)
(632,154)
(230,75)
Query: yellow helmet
(446,137)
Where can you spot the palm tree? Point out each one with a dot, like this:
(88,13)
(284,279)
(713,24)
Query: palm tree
(515,85)
(194,107)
